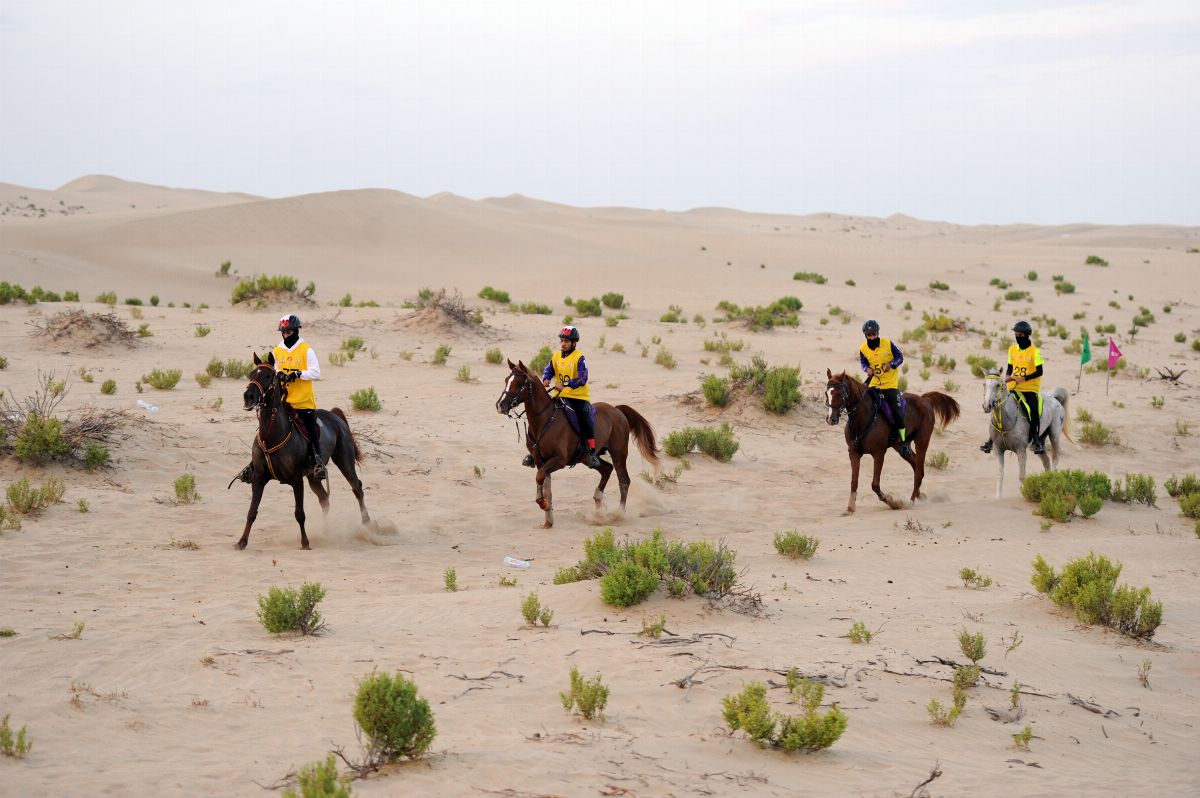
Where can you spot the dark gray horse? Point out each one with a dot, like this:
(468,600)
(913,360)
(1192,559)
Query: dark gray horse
(1010,427)
(280,451)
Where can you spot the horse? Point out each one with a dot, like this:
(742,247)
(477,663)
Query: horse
(864,436)
(555,444)
(1010,427)
(281,453)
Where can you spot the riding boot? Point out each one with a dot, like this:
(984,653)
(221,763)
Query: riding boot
(986,448)
(316,469)
(528,461)
(905,449)
(1038,446)
(590,459)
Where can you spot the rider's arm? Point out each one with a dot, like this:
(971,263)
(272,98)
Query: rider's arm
(897,357)
(862,360)
(548,373)
(1037,372)
(312,370)
(582,379)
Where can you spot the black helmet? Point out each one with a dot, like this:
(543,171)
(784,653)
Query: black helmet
(870,327)
(568,334)
(290,323)
(1023,327)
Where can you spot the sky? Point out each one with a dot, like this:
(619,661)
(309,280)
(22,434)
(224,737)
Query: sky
(974,112)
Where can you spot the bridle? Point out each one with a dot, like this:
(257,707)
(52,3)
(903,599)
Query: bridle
(843,391)
(511,399)
(996,407)
(262,389)
(265,429)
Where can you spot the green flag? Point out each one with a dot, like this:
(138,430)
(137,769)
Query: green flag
(1087,350)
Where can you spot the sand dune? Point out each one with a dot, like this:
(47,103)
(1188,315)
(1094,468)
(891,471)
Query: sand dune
(133,708)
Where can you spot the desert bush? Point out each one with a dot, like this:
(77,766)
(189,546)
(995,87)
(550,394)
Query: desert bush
(1189,505)
(494,356)
(440,354)
(973,579)
(185,489)
(980,364)
(810,277)
(1058,506)
(1089,505)
(17,746)
(1137,489)
(940,715)
(27,499)
(1182,486)
(450,579)
(163,380)
(1180,337)
(613,300)
(464,373)
(1089,586)
(487,292)
(533,610)
(665,358)
(859,633)
(542,359)
(717,443)
(203,379)
(973,646)
(320,780)
(534,308)
(938,285)
(1075,482)
(236,369)
(781,312)
(94,456)
(1095,260)
(938,460)
(780,389)
(366,399)
(588,307)
(627,583)
(1097,433)
(1063,287)
(394,719)
(1016,296)
(588,697)
(795,545)
(724,345)
(133,301)
(288,609)
(749,711)
(674,315)
(258,287)
(39,440)
(107,298)
(352,345)
(716,390)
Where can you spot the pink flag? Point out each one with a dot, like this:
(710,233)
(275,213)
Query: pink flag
(1114,354)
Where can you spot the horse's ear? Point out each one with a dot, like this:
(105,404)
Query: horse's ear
(511,365)
(829,374)
(521,365)
(257,362)
(271,358)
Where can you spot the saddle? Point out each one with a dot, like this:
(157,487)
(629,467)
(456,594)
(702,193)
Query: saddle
(298,423)
(573,420)
(1025,405)
(885,410)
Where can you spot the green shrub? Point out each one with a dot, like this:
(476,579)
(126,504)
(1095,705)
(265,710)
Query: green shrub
(1180,337)
(163,380)
(1077,482)
(780,389)
(440,354)
(1138,489)
(366,399)
(716,390)
(980,364)
(938,285)
(321,780)
(613,300)
(1097,433)
(1057,506)
(749,711)
(257,287)
(94,456)
(588,307)
(534,308)
(973,646)
(938,460)
(796,546)
(587,697)
(974,580)
(628,583)
(810,277)
(1064,287)
(717,443)
(450,578)
(25,499)
(353,344)
(1095,260)
(1016,296)
(107,298)
(1089,505)
(859,633)
(541,360)
(464,373)
(40,440)
(346,301)
(238,369)
(134,301)
(288,609)
(16,746)
(185,489)
(494,356)
(1182,486)
(1089,586)
(395,720)
(1189,505)
(494,295)
(665,358)
(203,379)
(724,345)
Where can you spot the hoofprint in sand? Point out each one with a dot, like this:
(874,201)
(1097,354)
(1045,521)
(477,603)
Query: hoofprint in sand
(174,688)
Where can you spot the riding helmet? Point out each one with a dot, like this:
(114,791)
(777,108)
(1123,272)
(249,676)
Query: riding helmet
(870,327)
(568,334)
(1023,327)
(289,323)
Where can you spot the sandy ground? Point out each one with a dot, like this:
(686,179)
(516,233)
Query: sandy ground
(151,718)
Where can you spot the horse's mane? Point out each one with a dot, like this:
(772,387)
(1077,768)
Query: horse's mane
(853,386)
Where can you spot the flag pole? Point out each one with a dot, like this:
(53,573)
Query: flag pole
(1107,379)
(1079,378)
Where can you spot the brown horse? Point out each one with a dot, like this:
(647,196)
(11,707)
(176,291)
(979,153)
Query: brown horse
(281,453)
(867,433)
(555,445)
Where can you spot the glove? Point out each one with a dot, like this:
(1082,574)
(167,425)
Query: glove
(569,383)
(288,376)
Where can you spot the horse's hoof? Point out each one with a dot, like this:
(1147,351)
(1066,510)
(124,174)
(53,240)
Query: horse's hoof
(547,525)
(239,545)
(306,547)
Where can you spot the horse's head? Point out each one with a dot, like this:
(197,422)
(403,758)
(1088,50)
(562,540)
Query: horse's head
(837,396)
(263,386)
(518,388)
(993,390)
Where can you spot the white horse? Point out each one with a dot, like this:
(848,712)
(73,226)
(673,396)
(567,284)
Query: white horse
(1010,427)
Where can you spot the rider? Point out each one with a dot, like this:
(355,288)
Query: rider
(298,366)
(880,358)
(568,368)
(1024,374)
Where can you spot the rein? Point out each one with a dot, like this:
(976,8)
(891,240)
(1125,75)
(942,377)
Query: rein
(852,409)
(265,430)
(997,408)
(527,388)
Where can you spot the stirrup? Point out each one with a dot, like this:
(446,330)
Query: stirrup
(246,474)
(986,448)
(318,472)
(591,460)
(528,461)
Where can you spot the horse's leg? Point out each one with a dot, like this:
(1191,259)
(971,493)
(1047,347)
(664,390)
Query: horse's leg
(620,462)
(1055,442)
(855,462)
(1022,451)
(321,493)
(876,471)
(545,499)
(298,490)
(256,492)
(1000,462)
(344,460)
(605,472)
(918,463)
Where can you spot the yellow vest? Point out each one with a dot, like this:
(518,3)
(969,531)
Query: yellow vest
(1025,361)
(566,367)
(876,359)
(300,394)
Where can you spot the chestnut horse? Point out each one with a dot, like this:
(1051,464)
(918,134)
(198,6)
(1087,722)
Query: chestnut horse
(867,433)
(554,444)
(281,453)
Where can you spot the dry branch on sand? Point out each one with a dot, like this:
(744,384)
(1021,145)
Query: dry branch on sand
(72,432)
(84,330)
(441,312)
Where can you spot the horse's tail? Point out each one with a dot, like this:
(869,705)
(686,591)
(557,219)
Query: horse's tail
(642,432)
(945,409)
(1063,396)
(337,411)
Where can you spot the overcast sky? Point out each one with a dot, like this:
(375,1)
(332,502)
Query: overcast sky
(1015,110)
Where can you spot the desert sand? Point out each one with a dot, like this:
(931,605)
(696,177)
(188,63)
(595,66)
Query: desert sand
(132,708)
